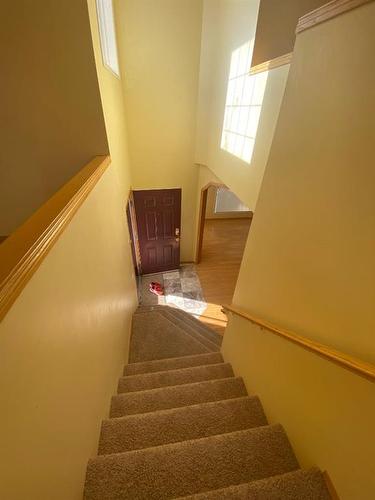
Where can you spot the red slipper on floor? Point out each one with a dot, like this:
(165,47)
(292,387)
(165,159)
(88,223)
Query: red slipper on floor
(156,288)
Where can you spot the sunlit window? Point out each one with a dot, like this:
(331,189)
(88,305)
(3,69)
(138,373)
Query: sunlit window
(108,35)
(243,105)
(226,201)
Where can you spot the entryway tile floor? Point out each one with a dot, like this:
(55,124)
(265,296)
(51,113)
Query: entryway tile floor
(182,289)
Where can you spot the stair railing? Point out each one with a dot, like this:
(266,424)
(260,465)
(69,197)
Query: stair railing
(355,365)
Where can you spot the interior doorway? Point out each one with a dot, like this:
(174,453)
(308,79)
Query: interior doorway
(158,225)
(224,224)
(219,203)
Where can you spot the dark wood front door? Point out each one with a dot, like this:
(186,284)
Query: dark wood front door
(158,213)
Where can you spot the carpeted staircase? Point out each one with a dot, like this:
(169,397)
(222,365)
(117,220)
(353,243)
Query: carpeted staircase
(183,426)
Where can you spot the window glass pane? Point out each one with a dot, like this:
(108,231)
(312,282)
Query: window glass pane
(227,118)
(231,142)
(239,146)
(238,89)
(252,125)
(224,140)
(231,91)
(226,201)
(234,64)
(107,35)
(243,119)
(259,88)
(248,149)
(248,89)
(244,63)
(235,118)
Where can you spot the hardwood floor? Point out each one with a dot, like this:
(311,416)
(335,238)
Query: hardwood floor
(222,250)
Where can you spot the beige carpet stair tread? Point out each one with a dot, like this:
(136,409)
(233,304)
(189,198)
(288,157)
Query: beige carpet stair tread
(196,323)
(155,337)
(183,426)
(177,396)
(211,340)
(180,424)
(192,466)
(174,377)
(191,330)
(173,363)
(187,318)
(298,485)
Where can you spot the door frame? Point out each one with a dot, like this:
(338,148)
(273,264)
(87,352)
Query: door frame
(133,233)
(202,218)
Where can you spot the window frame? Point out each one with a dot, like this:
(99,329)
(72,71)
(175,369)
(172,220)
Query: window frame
(107,35)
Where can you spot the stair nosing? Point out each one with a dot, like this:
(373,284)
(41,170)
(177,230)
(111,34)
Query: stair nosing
(171,383)
(167,315)
(191,319)
(178,385)
(184,320)
(184,332)
(176,370)
(166,410)
(180,314)
(108,426)
(178,443)
(175,357)
(275,476)
(138,363)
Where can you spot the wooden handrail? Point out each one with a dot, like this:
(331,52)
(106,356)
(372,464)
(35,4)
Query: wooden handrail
(357,366)
(24,250)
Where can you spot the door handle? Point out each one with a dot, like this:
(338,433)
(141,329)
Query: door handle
(177,231)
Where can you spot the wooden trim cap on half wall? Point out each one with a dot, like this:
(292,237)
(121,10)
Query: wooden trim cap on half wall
(328,11)
(24,250)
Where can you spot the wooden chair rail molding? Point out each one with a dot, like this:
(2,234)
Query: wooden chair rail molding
(327,11)
(24,250)
(272,64)
(357,366)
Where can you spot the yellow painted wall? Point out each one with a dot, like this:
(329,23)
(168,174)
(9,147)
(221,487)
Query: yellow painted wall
(309,261)
(50,113)
(276,27)
(159,45)
(228,25)
(327,412)
(64,342)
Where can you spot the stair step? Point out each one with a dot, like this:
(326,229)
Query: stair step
(155,337)
(187,319)
(190,330)
(298,485)
(173,363)
(201,327)
(180,424)
(176,396)
(191,467)
(180,376)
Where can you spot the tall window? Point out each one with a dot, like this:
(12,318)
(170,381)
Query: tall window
(226,201)
(108,35)
(243,105)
